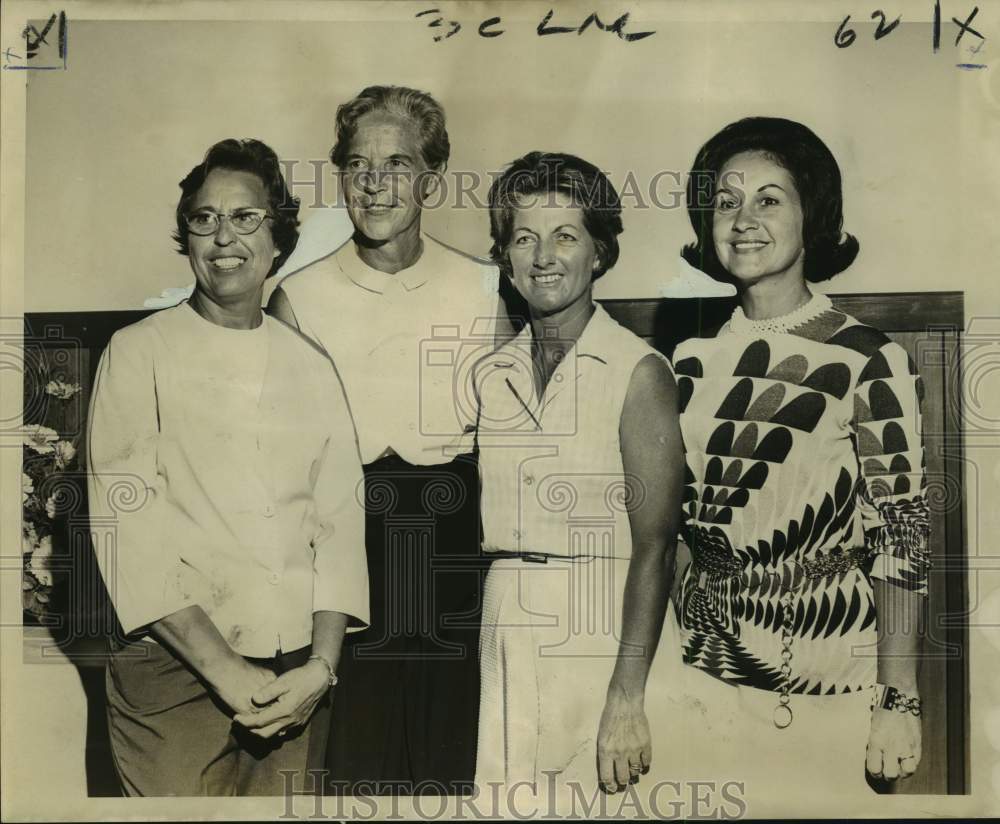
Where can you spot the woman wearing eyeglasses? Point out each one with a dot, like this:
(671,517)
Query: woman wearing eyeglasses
(238,561)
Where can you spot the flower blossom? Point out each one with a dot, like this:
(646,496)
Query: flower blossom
(29,538)
(65,452)
(61,389)
(40,439)
(40,564)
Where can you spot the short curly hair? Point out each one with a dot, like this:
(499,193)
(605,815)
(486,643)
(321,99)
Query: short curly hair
(258,159)
(539,173)
(828,251)
(417,106)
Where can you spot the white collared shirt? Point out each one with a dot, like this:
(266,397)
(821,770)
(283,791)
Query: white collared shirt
(224,472)
(551,467)
(404,344)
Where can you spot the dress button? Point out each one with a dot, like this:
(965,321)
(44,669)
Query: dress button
(273,578)
(557,378)
(529,480)
(268,511)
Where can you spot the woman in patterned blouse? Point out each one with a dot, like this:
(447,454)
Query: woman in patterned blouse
(804,504)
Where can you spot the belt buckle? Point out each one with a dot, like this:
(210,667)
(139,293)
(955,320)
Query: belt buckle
(534,557)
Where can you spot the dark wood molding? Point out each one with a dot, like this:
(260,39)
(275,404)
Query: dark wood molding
(88,327)
(890,311)
(906,311)
(957,605)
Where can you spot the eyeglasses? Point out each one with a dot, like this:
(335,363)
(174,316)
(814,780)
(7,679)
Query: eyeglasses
(243,221)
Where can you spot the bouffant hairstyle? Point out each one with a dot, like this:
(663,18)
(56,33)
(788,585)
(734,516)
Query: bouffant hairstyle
(828,251)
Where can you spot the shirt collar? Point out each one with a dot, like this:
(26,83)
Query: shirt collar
(594,342)
(412,277)
(596,345)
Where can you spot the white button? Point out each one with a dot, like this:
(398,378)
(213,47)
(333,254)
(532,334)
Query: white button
(274,578)
(268,511)
(558,378)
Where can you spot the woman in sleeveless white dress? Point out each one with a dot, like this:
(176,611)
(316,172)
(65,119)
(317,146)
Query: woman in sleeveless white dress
(582,469)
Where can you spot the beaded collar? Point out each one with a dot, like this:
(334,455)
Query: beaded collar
(812,308)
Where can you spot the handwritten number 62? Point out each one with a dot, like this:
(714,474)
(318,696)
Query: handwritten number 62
(845,36)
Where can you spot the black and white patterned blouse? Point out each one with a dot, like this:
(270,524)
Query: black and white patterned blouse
(803,441)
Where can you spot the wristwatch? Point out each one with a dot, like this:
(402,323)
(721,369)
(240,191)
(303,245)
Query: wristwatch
(332,681)
(889,698)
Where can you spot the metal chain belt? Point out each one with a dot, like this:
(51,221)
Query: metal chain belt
(783,712)
(821,566)
(712,561)
(906,704)
(832,563)
(715,562)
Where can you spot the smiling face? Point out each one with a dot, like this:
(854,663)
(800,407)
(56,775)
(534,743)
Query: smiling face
(229,268)
(383,168)
(757,226)
(552,256)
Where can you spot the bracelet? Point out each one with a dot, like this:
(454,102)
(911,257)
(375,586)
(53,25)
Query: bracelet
(332,682)
(889,698)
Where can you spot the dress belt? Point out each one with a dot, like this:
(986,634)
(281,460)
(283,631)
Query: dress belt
(714,563)
(820,566)
(543,557)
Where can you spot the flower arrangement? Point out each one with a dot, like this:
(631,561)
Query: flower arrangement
(46,454)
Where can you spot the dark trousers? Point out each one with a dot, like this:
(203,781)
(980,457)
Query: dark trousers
(170,736)
(405,711)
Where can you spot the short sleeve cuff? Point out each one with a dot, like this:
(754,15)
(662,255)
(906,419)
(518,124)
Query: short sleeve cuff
(140,613)
(356,609)
(344,589)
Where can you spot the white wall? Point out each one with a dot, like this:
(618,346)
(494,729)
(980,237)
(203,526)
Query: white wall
(108,140)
